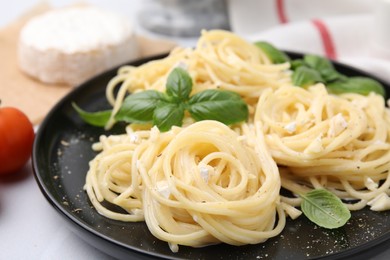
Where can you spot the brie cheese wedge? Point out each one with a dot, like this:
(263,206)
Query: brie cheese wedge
(70,45)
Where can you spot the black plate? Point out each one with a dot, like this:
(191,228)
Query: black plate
(61,153)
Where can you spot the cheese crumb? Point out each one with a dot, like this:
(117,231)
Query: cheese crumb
(337,124)
(380,203)
(134,138)
(370,184)
(163,189)
(291,127)
(204,173)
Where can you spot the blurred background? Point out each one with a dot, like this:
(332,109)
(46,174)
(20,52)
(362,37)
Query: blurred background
(182,20)
(358,29)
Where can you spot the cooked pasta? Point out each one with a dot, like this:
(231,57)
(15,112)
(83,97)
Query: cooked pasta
(206,183)
(193,186)
(340,143)
(220,60)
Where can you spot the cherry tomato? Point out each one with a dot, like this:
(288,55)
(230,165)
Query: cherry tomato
(16,139)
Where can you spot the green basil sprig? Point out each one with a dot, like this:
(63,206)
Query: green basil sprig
(168,109)
(179,85)
(275,55)
(139,107)
(324,67)
(223,106)
(360,85)
(96,119)
(334,81)
(325,209)
(314,69)
(167,115)
(304,76)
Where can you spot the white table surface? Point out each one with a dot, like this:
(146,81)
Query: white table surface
(29,226)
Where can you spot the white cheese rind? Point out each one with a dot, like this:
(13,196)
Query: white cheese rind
(71,45)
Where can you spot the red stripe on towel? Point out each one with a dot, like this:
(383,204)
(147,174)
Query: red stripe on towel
(327,41)
(280,8)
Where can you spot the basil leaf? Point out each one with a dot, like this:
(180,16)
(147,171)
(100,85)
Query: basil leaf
(360,85)
(325,209)
(224,106)
(139,107)
(323,66)
(95,118)
(297,63)
(179,84)
(167,115)
(304,76)
(275,55)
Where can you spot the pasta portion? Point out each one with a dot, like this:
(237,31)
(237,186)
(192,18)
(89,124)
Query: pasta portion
(205,182)
(195,186)
(340,143)
(221,60)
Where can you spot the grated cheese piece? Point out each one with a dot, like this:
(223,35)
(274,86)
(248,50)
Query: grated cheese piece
(163,189)
(380,203)
(204,173)
(291,127)
(337,124)
(134,138)
(370,184)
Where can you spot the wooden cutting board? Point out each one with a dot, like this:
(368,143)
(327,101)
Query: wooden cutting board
(34,98)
